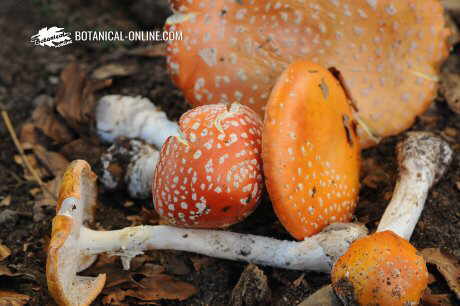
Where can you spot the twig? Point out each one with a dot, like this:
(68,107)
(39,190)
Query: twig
(9,126)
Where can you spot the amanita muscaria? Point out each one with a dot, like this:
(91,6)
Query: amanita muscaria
(388,51)
(311,151)
(211,175)
(384,268)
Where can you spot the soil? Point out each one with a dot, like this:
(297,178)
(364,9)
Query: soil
(28,71)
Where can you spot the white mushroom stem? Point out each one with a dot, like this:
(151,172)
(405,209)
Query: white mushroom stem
(316,253)
(422,159)
(133,117)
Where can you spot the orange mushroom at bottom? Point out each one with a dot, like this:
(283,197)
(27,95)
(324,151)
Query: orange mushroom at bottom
(310,150)
(380,269)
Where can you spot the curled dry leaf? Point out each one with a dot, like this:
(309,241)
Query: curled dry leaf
(75,96)
(10,298)
(252,288)
(430,299)
(114,70)
(447,265)
(4,252)
(54,162)
(49,122)
(88,149)
(6,201)
(156,287)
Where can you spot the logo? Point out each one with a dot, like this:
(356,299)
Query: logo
(51,37)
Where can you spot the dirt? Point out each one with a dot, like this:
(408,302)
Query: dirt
(28,71)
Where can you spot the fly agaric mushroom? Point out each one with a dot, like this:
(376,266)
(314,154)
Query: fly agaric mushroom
(388,51)
(383,268)
(312,166)
(211,177)
(71,240)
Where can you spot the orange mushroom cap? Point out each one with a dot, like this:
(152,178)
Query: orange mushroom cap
(63,261)
(388,51)
(212,176)
(380,269)
(310,150)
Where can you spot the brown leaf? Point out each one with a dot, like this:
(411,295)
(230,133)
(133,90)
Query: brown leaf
(115,297)
(447,265)
(41,172)
(4,252)
(6,201)
(10,298)
(5,271)
(113,70)
(252,288)
(46,119)
(200,262)
(28,134)
(75,99)
(162,286)
(55,162)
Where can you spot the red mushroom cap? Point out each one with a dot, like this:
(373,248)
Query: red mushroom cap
(212,176)
(388,51)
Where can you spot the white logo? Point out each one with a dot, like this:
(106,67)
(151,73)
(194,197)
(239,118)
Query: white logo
(51,37)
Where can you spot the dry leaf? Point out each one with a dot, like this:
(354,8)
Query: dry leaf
(28,134)
(252,288)
(45,199)
(162,286)
(115,297)
(447,265)
(75,99)
(296,283)
(112,70)
(6,201)
(41,172)
(46,119)
(10,298)
(5,271)
(55,162)
(4,252)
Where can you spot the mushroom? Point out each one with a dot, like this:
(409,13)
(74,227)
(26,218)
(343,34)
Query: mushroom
(384,268)
(312,167)
(388,51)
(71,240)
(380,269)
(211,176)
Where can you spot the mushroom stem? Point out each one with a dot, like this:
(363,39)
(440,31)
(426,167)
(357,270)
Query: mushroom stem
(317,253)
(422,160)
(133,117)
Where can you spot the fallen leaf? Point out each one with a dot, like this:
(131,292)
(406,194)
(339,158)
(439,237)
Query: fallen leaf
(28,134)
(49,122)
(296,283)
(115,297)
(45,199)
(10,298)
(447,265)
(113,70)
(252,288)
(4,252)
(41,172)
(6,201)
(75,100)
(162,286)
(54,162)
(5,271)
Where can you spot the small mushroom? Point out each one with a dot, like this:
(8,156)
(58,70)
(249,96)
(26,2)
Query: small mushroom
(311,152)
(381,269)
(389,52)
(211,176)
(71,240)
(384,268)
